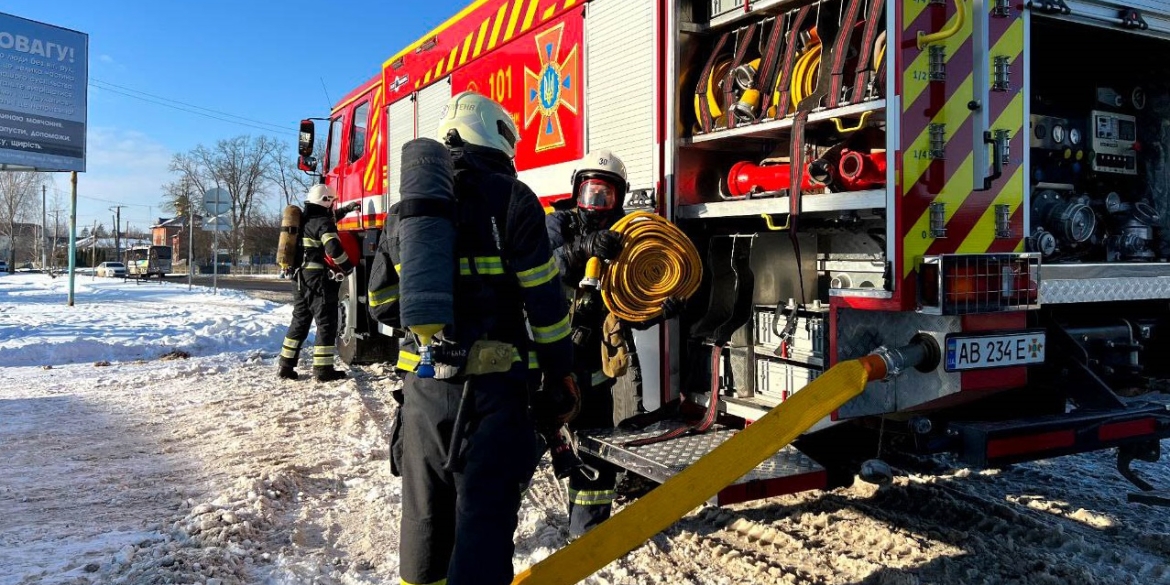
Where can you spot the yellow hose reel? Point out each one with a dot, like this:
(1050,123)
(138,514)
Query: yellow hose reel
(803,82)
(657,262)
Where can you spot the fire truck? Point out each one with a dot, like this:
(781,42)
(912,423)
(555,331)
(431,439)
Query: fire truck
(992,187)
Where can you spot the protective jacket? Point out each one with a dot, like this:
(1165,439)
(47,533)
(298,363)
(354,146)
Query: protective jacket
(590,501)
(458,525)
(319,237)
(316,293)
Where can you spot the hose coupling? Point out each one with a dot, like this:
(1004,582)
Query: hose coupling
(922,354)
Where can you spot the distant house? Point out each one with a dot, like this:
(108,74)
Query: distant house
(173,232)
(165,231)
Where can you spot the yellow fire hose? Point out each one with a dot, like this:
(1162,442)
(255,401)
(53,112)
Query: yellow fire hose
(656,511)
(657,262)
(805,74)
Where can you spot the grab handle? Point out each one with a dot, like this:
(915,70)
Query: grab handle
(925,38)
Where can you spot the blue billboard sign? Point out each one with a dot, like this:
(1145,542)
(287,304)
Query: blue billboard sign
(44,71)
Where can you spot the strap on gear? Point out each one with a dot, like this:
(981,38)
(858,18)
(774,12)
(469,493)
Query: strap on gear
(706,120)
(743,41)
(830,77)
(873,22)
(420,207)
(795,25)
(796,161)
(766,76)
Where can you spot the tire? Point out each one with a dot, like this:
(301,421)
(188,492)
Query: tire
(354,350)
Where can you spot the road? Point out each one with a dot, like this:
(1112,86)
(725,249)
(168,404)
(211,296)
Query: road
(267,288)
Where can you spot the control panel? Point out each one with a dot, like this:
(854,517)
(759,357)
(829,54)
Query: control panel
(1114,137)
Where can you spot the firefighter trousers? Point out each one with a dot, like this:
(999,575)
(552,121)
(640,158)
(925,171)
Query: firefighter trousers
(315,299)
(591,501)
(458,526)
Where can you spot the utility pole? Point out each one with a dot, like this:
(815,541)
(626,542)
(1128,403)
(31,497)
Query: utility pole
(117,209)
(93,248)
(72,233)
(190,234)
(56,223)
(44,219)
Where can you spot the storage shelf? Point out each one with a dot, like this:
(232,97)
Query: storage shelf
(756,130)
(758,8)
(820,202)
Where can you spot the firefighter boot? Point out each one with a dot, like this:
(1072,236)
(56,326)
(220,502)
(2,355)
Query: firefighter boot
(328,374)
(286,373)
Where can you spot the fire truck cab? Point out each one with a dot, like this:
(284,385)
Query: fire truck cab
(968,175)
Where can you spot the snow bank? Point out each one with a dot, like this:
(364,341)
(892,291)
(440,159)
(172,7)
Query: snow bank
(121,320)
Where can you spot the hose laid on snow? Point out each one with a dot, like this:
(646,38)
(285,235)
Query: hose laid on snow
(657,262)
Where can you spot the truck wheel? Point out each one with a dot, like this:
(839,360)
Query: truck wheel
(354,350)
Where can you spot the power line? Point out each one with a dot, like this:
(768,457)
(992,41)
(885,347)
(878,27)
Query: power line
(110,201)
(219,112)
(272,128)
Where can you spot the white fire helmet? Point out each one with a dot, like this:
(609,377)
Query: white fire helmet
(480,121)
(322,195)
(599,182)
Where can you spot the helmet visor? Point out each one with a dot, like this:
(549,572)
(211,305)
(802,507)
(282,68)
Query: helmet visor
(596,195)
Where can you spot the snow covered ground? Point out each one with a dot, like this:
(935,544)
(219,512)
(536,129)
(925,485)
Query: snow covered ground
(121,461)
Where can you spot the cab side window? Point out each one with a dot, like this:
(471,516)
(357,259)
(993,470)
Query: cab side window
(357,136)
(333,157)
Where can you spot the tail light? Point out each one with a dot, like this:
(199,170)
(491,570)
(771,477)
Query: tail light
(960,284)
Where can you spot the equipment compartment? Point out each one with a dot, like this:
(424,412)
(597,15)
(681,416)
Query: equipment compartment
(1100,146)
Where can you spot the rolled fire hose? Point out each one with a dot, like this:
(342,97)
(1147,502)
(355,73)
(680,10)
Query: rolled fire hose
(805,73)
(657,262)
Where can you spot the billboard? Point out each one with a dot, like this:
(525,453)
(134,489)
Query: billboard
(44,71)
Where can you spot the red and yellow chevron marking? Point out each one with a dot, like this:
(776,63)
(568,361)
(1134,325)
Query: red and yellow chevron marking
(476,30)
(969,214)
(371,180)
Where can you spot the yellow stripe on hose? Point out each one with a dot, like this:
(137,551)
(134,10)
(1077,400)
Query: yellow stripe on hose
(657,262)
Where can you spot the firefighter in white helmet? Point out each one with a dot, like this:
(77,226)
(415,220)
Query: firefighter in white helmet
(458,522)
(317,285)
(577,234)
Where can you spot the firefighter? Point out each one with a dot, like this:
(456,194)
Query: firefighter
(577,234)
(317,285)
(461,499)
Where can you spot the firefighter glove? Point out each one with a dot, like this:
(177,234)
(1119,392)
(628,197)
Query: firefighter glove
(604,244)
(559,400)
(672,307)
(350,207)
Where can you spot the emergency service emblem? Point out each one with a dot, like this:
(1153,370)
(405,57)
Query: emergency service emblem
(547,90)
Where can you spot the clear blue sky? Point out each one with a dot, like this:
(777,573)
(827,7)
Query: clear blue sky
(259,59)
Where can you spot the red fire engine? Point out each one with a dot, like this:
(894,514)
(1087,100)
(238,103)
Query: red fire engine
(967,176)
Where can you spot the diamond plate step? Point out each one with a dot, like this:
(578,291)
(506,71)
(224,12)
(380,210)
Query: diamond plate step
(787,472)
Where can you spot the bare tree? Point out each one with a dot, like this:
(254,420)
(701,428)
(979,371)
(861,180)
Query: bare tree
(291,182)
(60,217)
(18,194)
(242,166)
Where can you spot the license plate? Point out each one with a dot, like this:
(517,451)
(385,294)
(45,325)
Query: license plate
(994,351)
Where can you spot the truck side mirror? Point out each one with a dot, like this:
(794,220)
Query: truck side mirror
(307,163)
(307,139)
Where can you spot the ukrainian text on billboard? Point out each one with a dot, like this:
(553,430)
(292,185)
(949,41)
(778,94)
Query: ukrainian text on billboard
(43,77)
